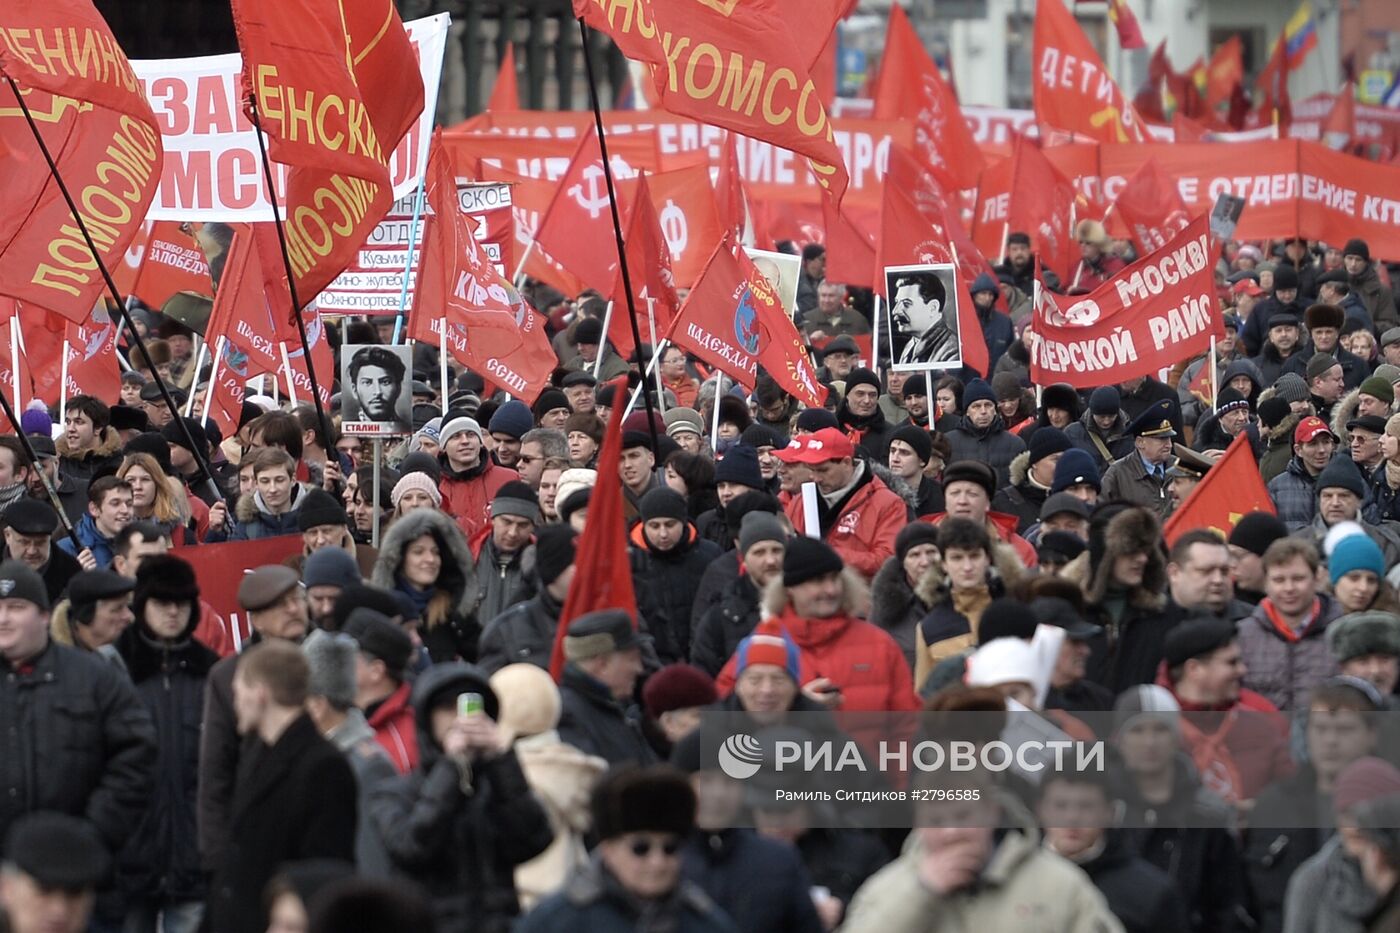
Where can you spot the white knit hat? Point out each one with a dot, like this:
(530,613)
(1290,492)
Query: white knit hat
(415,480)
(572,481)
(457,426)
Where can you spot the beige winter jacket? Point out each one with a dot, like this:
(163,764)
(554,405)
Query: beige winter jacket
(562,777)
(1024,888)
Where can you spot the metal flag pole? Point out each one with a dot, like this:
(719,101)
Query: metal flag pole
(617,222)
(637,392)
(213,379)
(654,364)
(321,419)
(378,468)
(520,266)
(408,263)
(287,371)
(442,364)
(112,290)
(603,344)
(194,383)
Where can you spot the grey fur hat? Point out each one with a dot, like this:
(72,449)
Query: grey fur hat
(1362,633)
(331,657)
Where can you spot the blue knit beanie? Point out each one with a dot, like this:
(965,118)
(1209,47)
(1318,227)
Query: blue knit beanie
(1355,552)
(512,419)
(1076,466)
(977,391)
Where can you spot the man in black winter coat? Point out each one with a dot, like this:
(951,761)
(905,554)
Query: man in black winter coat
(762,543)
(668,560)
(462,820)
(295,796)
(1075,810)
(725,569)
(598,715)
(861,417)
(1285,299)
(1032,475)
(276,605)
(74,737)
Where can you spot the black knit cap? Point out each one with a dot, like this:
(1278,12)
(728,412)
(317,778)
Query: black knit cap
(1005,618)
(663,502)
(1256,531)
(917,438)
(911,536)
(862,376)
(57,851)
(807,558)
(320,508)
(555,550)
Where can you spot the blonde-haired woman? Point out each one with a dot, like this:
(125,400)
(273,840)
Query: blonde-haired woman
(156,497)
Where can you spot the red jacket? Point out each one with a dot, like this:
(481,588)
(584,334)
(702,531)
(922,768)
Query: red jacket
(1004,527)
(858,657)
(1238,750)
(467,496)
(395,729)
(864,531)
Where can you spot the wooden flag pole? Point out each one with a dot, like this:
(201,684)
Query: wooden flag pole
(617,226)
(321,419)
(113,291)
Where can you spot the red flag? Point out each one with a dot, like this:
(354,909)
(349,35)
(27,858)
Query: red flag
(529,201)
(172,263)
(684,207)
(241,313)
(1157,311)
(16,379)
(742,66)
(649,271)
(1188,130)
(335,85)
(505,93)
(574,229)
(1041,203)
(1339,129)
(1071,87)
(224,402)
(1150,205)
(1229,491)
(1200,384)
(603,575)
(1225,71)
(98,126)
(850,251)
(460,297)
(1271,89)
(92,359)
(733,321)
(1129,32)
(910,85)
(729,189)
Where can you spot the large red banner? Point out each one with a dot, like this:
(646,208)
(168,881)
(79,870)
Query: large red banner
(82,93)
(220,569)
(350,65)
(1156,312)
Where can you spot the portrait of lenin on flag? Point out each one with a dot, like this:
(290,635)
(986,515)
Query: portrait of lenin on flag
(923,316)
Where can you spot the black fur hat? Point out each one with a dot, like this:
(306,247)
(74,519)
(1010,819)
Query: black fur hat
(655,799)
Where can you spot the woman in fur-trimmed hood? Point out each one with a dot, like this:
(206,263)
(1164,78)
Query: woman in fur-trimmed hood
(426,557)
(1123,575)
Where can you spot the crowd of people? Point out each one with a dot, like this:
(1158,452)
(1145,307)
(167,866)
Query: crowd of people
(373,739)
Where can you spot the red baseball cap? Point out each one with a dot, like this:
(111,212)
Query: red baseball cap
(1248,287)
(1310,428)
(826,444)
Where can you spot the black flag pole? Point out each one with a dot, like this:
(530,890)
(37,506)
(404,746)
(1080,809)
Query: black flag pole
(617,233)
(33,459)
(321,420)
(117,299)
